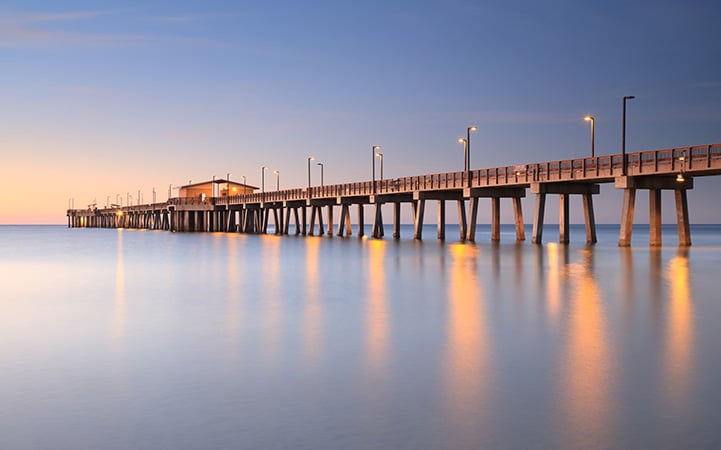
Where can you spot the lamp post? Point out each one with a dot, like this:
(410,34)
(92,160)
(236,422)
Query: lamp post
(380,155)
(277,179)
(262,181)
(593,131)
(373,155)
(465,153)
(244,183)
(310,158)
(153,195)
(212,187)
(321,173)
(623,135)
(468,144)
(227,184)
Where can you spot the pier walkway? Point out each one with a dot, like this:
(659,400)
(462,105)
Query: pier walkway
(654,171)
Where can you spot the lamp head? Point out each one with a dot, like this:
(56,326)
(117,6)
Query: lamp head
(376,147)
(680,178)
(472,128)
(461,141)
(588,118)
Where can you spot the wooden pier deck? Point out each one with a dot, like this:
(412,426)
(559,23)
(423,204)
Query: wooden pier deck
(654,171)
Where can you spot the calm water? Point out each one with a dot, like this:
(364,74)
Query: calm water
(120,339)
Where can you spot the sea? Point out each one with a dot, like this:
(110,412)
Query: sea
(137,339)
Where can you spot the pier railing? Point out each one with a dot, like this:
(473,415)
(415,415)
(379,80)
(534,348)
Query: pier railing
(694,160)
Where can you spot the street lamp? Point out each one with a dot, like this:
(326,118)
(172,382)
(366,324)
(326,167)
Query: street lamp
(465,153)
(277,179)
(227,184)
(310,158)
(468,144)
(623,135)
(262,179)
(593,130)
(373,156)
(380,155)
(321,174)
(212,187)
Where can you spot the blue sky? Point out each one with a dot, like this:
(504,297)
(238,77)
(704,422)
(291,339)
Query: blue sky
(100,99)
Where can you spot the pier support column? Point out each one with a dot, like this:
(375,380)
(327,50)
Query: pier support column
(330,220)
(563,219)
(396,220)
(344,217)
(537,234)
(286,223)
(321,228)
(298,226)
(590,219)
(303,214)
(348,226)
(462,223)
(627,209)
(278,225)
(361,225)
(684,229)
(311,225)
(473,219)
(495,219)
(419,209)
(518,219)
(654,218)
(441,220)
(378,221)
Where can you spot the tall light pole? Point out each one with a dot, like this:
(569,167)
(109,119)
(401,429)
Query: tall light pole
(212,187)
(310,158)
(227,184)
(380,155)
(153,195)
(623,135)
(468,144)
(262,180)
(593,131)
(465,153)
(373,155)
(321,174)
(244,183)
(277,179)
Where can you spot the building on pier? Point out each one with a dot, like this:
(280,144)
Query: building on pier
(215,188)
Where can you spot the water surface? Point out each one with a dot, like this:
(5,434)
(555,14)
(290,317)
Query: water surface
(140,339)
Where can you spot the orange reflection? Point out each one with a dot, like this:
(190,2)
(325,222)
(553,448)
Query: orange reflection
(235,266)
(376,308)
(587,363)
(313,308)
(678,364)
(466,346)
(118,320)
(270,263)
(553,281)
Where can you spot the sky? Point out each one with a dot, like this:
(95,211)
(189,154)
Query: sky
(105,99)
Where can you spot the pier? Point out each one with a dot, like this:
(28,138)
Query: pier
(653,171)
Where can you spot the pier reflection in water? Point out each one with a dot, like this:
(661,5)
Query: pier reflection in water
(197,340)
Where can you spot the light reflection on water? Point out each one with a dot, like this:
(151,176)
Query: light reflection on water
(129,339)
